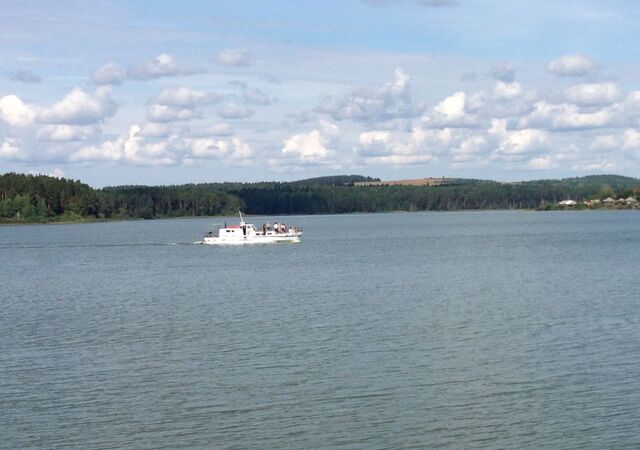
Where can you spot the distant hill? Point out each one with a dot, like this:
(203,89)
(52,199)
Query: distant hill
(335,180)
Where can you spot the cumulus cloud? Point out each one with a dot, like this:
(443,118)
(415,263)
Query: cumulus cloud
(24,76)
(209,148)
(631,143)
(507,91)
(110,73)
(15,112)
(393,100)
(516,142)
(457,110)
(163,65)
(317,146)
(418,146)
(80,108)
(64,133)
(185,97)
(541,163)
(309,146)
(374,143)
(165,113)
(10,150)
(234,57)
(154,129)
(565,116)
(233,111)
(144,147)
(132,148)
(594,93)
(470,149)
(571,65)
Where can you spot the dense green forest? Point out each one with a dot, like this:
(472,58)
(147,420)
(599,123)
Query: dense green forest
(40,198)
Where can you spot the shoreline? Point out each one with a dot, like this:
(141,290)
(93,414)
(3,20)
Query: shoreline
(102,220)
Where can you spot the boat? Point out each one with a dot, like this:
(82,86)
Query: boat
(247,233)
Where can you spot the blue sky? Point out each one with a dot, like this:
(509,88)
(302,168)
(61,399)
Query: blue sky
(174,92)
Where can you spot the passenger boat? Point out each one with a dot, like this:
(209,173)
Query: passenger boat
(247,233)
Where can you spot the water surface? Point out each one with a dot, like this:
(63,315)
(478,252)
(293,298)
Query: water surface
(408,330)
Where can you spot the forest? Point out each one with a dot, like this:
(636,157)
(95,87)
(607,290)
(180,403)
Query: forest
(41,198)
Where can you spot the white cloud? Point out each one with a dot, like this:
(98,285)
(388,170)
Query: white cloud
(162,153)
(594,165)
(393,100)
(64,133)
(507,91)
(470,149)
(163,65)
(15,112)
(571,65)
(306,145)
(154,129)
(517,142)
(132,148)
(632,143)
(452,107)
(142,147)
(164,113)
(233,111)
(374,143)
(207,148)
(185,97)
(456,110)
(107,151)
(234,57)
(372,137)
(565,117)
(79,108)
(419,146)
(541,163)
(9,150)
(400,160)
(593,93)
(110,73)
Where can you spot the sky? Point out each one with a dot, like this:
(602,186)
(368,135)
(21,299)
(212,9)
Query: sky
(165,92)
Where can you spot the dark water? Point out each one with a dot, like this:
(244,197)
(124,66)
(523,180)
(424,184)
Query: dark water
(425,330)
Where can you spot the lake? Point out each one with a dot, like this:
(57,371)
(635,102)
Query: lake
(403,330)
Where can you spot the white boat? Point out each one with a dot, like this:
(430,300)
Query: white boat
(247,233)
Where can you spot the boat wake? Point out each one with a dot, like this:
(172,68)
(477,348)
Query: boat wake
(37,246)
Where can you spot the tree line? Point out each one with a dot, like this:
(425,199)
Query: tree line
(40,198)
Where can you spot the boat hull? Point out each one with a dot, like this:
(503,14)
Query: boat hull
(214,240)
